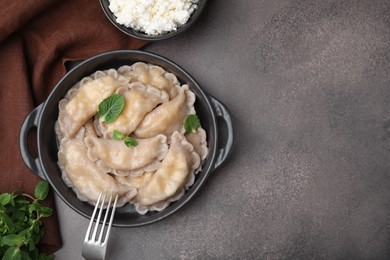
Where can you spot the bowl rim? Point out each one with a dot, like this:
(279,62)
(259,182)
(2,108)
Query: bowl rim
(143,36)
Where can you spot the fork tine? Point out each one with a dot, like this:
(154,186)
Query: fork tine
(111,219)
(88,233)
(105,219)
(98,218)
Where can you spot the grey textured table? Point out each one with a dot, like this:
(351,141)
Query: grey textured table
(308,85)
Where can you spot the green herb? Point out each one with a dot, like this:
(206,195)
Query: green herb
(20,223)
(191,123)
(110,108)
(130,141)
(117,135)
(41,190)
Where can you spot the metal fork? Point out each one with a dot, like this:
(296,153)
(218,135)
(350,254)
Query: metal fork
(94,248)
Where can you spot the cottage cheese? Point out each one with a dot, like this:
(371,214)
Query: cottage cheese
(153,16)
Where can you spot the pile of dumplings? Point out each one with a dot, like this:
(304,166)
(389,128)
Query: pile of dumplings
(150,175)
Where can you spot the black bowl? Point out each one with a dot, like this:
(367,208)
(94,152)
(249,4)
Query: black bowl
(143,36)
(43,117)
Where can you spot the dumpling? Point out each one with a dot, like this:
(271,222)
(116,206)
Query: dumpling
(137,181)
(173,174)
(169,116)
(118,158)
(84,176)
(81,103)
(139,100)
(198,140)
(148,74)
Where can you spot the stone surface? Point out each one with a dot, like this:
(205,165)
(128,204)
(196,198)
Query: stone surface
(308,85)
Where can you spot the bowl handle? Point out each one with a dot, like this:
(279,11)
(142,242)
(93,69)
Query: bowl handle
(223,113)
(30,122)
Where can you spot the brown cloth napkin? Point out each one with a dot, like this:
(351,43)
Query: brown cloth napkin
(36,39)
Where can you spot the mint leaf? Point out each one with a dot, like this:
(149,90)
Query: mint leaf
(7,225)
(41,190)
(110,108)
(117,135)
(12,253)
(5,198)
(12,240)
(43,211)
(130,141)
(191,123)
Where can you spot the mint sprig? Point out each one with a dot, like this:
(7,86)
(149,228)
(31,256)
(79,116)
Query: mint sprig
(21,228)
(118,135)
(110,108)
(191,123)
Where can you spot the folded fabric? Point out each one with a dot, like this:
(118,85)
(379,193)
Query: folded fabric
(36,39)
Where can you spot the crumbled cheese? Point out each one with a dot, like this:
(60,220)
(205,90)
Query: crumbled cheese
(153,16)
